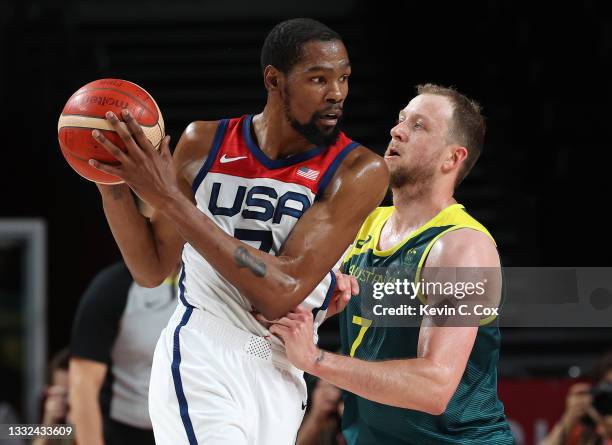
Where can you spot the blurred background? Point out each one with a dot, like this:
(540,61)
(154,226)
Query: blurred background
(540,70)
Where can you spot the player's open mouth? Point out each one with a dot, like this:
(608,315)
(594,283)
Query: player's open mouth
(391,153)
(330,119)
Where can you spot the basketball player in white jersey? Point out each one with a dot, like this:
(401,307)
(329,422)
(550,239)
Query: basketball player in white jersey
(260,208)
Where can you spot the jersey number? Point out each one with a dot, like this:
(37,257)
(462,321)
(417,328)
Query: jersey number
(264,236)
(365,324)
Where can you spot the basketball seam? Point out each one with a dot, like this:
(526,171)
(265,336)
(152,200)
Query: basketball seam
(161,132)
(122,92)
(102,119)
(69,153)
(73,154)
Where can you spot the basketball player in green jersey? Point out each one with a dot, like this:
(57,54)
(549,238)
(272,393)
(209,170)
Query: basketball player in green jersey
(428,384)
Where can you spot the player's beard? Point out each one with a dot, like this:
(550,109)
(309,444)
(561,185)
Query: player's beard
(418,175)
(309,130)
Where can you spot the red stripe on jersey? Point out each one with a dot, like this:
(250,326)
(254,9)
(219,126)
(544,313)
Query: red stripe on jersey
(239,155)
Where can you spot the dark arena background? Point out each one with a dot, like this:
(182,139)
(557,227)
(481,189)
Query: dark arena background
(541,70)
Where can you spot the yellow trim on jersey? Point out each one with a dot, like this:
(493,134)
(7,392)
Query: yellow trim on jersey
(454,214)
(369,230)
(463,220)
(369,235)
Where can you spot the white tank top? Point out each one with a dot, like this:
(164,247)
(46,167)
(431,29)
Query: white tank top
(259,201)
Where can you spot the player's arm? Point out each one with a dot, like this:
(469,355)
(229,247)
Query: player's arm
(425,383)
(86,379)
(274,285)
(151,248)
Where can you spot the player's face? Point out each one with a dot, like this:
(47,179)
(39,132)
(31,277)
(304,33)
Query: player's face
(419,140)
(315,89)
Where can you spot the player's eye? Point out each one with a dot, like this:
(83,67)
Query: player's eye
(344,78)
(319,79)
(418,125)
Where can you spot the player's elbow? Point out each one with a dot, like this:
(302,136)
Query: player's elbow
(149,281)
(276,310)
(442,387)
(437,405)
(281,299)
(443,393)
(150,277)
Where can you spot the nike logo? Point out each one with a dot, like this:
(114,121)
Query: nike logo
(224,159)
(303,406)
(362,242)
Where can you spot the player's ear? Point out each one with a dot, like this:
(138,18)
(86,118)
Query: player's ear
(455,157)
(272,78)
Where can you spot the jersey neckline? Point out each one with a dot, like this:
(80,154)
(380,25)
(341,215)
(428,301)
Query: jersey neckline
(391,250)
(272,164)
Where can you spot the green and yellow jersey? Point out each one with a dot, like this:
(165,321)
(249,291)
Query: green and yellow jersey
(474,415)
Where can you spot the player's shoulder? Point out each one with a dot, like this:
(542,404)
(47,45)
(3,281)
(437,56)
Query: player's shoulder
(198,135)
(362,173)
(466,246)
(193,147)
(197,130)
(457,215)
(362,159)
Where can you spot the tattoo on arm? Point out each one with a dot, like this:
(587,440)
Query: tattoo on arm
(245,259)
(117,192)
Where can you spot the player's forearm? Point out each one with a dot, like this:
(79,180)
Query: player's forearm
(274,285)
(417,383)
(85,413)
(133,234)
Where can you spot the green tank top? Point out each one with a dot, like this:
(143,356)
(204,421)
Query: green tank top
(474,415)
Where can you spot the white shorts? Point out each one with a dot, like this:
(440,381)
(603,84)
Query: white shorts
(212,383)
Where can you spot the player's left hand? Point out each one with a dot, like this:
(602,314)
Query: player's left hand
(296,331)
(149,172)
(346,288)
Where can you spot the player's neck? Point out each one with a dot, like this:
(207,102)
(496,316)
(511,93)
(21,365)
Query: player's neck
(275,136)
(413,208)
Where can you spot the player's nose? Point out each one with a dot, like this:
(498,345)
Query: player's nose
(334,93)
(398,132)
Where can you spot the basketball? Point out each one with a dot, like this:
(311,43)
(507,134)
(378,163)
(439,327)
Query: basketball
(85,111)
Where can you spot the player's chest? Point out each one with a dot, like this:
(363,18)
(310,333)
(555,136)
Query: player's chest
(261,211)
(259,199)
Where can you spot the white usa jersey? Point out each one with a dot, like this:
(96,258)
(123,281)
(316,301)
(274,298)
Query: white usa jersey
(257,200)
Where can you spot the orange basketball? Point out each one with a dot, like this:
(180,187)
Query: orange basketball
(85,111)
